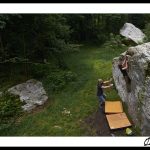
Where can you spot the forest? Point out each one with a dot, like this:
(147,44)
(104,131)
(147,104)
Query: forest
(67,53)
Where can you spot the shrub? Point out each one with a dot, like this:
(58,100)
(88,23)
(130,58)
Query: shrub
(69,76)
(10,109)
(57,80)
(39,70)
(115,42)
(147,32)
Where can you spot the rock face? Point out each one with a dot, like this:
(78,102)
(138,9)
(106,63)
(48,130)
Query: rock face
(31,93)
(138,98)
(133,33)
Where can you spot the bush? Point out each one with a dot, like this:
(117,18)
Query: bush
(69,76)
(10,110)
(57,80)
(39,71)
(147,32)
(115,42)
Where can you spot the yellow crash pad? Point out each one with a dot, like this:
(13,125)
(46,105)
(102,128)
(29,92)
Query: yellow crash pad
(113,107)
(119,120)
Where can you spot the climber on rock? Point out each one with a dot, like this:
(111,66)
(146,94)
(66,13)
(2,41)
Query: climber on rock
(123,66)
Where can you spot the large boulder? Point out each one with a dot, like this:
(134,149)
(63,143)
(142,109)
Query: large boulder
(133,33)
(138,98)
(31,93)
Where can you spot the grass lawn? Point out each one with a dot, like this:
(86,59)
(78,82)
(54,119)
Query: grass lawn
(78,98)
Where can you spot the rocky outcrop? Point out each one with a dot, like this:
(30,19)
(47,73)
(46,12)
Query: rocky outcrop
(138,98)
(132,33)
(31,93)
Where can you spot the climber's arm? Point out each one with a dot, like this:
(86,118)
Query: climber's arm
(126,65)
(105,87)
(107,82)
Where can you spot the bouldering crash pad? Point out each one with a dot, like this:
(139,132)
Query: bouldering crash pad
(117,121)
(113,107)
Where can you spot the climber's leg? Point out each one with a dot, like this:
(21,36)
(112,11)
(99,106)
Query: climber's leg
(128,83)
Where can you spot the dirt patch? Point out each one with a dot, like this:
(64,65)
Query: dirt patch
(98,125)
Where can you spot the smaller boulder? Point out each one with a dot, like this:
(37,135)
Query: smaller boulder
(31,93)
(133,33)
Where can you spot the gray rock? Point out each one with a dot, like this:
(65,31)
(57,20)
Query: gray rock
(31,93)
(138,99)
(28,107)
(132,32)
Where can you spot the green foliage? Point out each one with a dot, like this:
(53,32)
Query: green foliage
(71,48)
(113,22)
(147,70)
(95,28)
(37,37)
(138,20)
(15,60)
(10,109)
(3,20)
(33,37)
(147,32)
(39,71)
(69,76)
(58,79)
(115,42)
